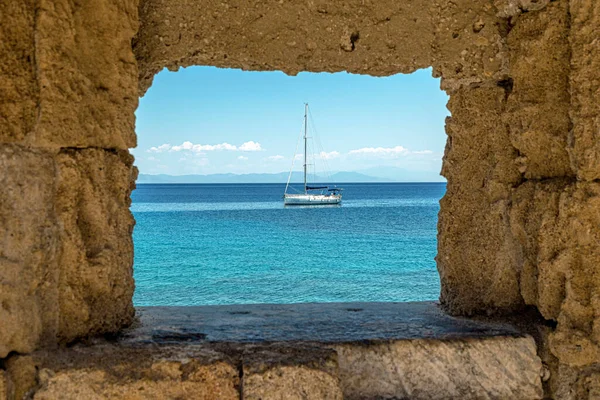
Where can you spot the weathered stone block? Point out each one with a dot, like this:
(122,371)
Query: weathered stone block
(3,387)
(212,352)
(68,80)
(585,88)
(493,368)
(538,102)
(28,243)
(18,87)
(87,73)
(96,257)
(109,372)
(297,372)
(535,205)
(513,8)
(556,225)
(21,376)
(469,43)
(577,383)
(474,242)
(66,250)
(379,38)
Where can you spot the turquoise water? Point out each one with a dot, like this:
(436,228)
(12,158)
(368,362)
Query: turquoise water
(201,244)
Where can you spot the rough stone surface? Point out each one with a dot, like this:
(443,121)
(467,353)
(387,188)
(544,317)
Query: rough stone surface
(379,350)
(577,383)
(18,87)
(538,103)
(290,373)
(110,372)
(86,71)
(513,8)
(21,377)
(3,385)
(28,243)
(68,77)
(181,363)
(479,164)
(326,323)
(379,38)
(585,88)
(66,250)
(494,368)
(556,226)
(518,225)
(96,258)
(469,43)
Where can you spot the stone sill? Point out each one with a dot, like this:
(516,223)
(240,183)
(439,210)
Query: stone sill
(308,322)
(300,351)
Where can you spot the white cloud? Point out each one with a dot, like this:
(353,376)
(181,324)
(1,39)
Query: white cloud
(381,151)
(329,156)
(251,146)
(160,149)
(213,147)
(243,158)
(275,158)
(423,152)
(183,146)
(199,148)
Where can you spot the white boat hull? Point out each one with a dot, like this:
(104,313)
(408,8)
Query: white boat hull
(311,199)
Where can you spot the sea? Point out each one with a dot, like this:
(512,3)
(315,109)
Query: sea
(206,244)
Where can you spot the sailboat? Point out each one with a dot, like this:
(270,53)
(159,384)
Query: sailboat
(313,195)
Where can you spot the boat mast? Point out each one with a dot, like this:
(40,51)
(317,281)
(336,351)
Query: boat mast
(305,128)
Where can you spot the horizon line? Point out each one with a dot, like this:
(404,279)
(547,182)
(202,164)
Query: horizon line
(273,183)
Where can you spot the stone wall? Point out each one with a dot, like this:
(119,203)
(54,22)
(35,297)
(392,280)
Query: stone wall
(68,81)
(519,225)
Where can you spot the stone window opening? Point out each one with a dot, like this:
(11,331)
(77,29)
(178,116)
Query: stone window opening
(402,141)
(517,227)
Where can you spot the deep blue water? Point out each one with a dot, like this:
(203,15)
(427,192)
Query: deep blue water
(236,244)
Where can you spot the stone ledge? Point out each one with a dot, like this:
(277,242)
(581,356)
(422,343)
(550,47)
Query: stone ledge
(308,351)
(315,322)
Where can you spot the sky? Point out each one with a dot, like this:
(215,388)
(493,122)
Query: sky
(206,120)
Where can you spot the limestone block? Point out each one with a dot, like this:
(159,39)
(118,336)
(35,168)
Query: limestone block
(87,73)
(96,258)
(589,385)
(379,38)
(469,43)
(493,368)
(18,87)
(3,388)
(513,8)
(109,372)
(28,242)
(475,257)
(535,205)
(538,104)
(292,373)
(585,88)
(556,226)
(21,373)
(577,383)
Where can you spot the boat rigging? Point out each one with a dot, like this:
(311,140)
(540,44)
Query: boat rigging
(327,196)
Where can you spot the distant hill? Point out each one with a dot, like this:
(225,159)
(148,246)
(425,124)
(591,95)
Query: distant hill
(395,174)
(257,178)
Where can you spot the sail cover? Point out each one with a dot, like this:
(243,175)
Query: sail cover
(316,187)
